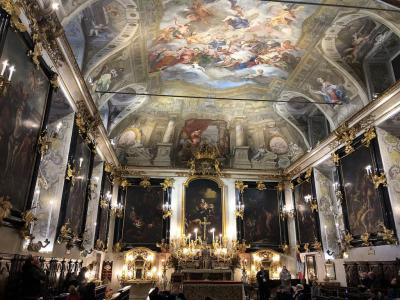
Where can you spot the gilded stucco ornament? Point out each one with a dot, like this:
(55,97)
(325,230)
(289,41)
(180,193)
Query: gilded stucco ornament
(316,245)
(346,135)
(5,208)
(365,239)
(28,218)
(70,174)
(285,248)
(368,136)
(387,235)
(168,183)
(117,248)
(100,245)
(240,186)
(14,10)
(145,182)
(335,158)
(308,174)
(261,186)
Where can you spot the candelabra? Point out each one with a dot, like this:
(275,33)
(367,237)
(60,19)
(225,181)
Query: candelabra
(118,210)
(239,210)
(105,200)
(287,212)
(167,212)
(312,202)
(376,179)
(5,81)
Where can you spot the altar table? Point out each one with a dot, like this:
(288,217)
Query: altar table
(217,290)
(207,274)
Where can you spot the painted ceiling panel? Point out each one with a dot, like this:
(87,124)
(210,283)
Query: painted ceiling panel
(322,63)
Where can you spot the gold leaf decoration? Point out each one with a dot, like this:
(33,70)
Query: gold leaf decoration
(308,174)
(5,208)
(145,182)
(369,135)
(168,183)
(335,158)
(365,239)
(240,186)
(261,186)
(14,10)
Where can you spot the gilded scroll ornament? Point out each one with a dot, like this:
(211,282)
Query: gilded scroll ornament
(100,245)
(28,218)
(335,158)
(145,182)
(368,136)
(316,245)
(71,173)
(261,186)
(387,235)
(168,183)
(365,239)
(240,186)
(14,10)
(308,174)
(5,208)
(346,135)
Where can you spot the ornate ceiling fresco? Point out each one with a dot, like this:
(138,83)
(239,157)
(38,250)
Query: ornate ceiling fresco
(316,60)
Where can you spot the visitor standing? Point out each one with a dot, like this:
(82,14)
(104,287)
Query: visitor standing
(263,283)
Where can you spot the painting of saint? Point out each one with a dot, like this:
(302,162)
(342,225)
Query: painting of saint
(203,207)
(261,217)
(23,107)
(306,223)
(227,44)
(330,92)
(77,197)
(199,132)
(364,208)
(143,222)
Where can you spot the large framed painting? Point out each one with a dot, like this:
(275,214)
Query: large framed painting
(203,207)
(306,213)
(76,189)
(24,106)
(262,225)
(366,205)
(143,223)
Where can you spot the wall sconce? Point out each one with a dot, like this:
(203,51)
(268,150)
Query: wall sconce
(167,212)
(239,210)
(286,212)
(312,202)
(105,200)
(4,81)
(118,210)
(376,179)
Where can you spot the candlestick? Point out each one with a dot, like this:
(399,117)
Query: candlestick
(5,65)
(368,169)
(12,69)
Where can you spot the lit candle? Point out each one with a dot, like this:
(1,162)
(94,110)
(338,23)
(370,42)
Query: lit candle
(195,234)
(5,65)
(220,238)
(189,236)
(213,232)
(80,162)
(368,169)
(12,69)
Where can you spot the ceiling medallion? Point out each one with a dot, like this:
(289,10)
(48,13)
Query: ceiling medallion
(205,161)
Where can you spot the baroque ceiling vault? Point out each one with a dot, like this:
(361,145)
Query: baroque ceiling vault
(320,64)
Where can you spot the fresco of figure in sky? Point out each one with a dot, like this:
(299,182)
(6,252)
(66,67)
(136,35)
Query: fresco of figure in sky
(227,43)
(330,92)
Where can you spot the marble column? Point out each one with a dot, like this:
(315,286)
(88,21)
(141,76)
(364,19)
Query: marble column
(241,156)
(163,157)
(114,201)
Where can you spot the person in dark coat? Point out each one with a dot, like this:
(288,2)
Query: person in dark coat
(33,278)
(263,283)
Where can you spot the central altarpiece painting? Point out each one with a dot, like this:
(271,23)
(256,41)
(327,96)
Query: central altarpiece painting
(203,206)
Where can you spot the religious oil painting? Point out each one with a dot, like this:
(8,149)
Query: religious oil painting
(306,222)
(143,221)
(77,198)
(23,109)
(225,44)
(363,202)
(261,217)
(203,208)
(199,132)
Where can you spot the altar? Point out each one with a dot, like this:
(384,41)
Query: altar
(198,290)
(207,274)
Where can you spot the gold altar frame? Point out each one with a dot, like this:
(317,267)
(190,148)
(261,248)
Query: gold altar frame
(221,185)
